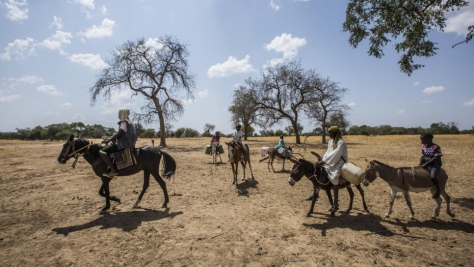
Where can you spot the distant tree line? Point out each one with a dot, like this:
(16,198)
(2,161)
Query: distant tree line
(61,131)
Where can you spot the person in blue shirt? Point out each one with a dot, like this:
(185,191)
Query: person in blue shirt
(281,143)
(431,159)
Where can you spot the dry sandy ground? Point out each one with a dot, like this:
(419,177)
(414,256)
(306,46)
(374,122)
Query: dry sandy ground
(50,212)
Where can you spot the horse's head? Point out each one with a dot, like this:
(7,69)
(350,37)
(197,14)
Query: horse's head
(69,147)
(370,173)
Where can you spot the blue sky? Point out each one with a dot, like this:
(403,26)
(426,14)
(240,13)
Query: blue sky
(51,53)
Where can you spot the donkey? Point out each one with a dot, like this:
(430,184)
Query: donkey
(408,179)
(148,160)
(305,168)
(236,156)
(272,154)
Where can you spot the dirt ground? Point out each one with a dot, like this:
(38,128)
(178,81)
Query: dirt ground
(50,212)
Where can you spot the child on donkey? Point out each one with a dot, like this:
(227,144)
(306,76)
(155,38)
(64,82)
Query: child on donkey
(431,159)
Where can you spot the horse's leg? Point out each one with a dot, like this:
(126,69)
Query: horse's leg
(351,195)
(146,183)
(393,194)
(104,192)
(361,191)
(162,184)
(438,208)
(406,194)
(270,161)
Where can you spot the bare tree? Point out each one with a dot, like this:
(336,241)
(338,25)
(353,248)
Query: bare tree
(243,110)
(283,92)
(208,128)
(327,102)
(157,69)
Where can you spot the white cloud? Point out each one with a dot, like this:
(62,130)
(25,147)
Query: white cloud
(469,103)
(89,60)
(286,44)
(57,41)
(66,105)
(230,67)
(49,89)
(426,101)
(401,111)
(28,79)
(57,22)
(274,5)
(416,83)
(106,29)
(78,117)
(203,94)
(20,48)
(86,3)
(104,10)
(17,10)
(460,22)
(10,98)
(351,105)
(154,44)
(433,89)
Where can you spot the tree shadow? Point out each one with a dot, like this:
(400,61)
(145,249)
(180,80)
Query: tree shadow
(243,188)
(127,221)
(465,202)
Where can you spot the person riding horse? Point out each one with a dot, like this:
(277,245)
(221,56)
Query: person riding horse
(126,138)
(333,160)
(238,140)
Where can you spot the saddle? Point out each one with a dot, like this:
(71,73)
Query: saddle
(124,160)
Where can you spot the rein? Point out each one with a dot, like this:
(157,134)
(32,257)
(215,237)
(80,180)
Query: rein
(75,153)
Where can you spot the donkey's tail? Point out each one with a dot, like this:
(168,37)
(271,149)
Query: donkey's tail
(169,165)
(264,158)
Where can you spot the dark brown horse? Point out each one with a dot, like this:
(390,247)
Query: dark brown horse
(272,154)
(408,179)
(315,175)
(148,160)
(235,156)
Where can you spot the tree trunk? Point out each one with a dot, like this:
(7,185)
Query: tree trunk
(162,129)
(323,133)
(296,130)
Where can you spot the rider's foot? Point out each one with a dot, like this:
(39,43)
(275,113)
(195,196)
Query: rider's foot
(111,174)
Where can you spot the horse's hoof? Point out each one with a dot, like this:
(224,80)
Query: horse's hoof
(334,209)
(308,214)
(412,218)
(333,214)
(164,206)
(433,218)
(451,214)
(104,211)
(386,216)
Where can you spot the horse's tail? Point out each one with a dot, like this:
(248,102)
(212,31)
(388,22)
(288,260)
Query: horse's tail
(169,165)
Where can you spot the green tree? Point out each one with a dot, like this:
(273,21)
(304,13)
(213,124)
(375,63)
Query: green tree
(409,22)
(158,70)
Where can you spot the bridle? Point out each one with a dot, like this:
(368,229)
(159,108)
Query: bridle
(75,153)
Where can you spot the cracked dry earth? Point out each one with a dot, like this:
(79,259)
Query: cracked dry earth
(50,212)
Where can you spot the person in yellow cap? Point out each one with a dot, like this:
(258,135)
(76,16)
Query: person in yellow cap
(335,156)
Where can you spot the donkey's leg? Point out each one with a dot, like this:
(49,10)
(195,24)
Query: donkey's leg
(313,201)
(438,208)
(146,183)
(447,198)
(335,206)
(393,194)
(406,194)
(162,184)
(351,195)
(243,169)
(361,191)
(283,166)
(234,172)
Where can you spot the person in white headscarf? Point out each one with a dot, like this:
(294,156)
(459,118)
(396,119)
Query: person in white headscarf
(126,138)
(333,160)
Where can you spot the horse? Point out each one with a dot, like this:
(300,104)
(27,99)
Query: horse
(236,156)
(272,153)
(303,167)
(215,152)
(147,157)
(408,179)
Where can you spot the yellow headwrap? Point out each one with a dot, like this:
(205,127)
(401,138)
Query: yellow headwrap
(335,129)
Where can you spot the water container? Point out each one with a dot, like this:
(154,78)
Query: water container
(208,150)
(352,173)
(221,149)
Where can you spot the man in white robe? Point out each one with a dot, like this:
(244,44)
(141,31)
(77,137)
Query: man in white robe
(335,156)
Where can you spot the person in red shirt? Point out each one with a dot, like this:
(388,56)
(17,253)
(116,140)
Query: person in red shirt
(431,159)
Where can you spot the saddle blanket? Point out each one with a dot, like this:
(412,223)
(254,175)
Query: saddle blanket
(124,160)
(264,151)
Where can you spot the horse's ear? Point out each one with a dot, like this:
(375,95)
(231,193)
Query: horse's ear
(71,137)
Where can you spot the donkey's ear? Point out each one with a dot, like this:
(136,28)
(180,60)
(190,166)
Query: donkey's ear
(71,137)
